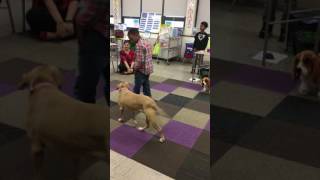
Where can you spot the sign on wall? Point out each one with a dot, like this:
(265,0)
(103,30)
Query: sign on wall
(190,16)
(117,11)
(150,22)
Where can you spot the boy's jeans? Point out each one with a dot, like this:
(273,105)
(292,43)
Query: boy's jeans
(141,79)
(198,60)
(92,64)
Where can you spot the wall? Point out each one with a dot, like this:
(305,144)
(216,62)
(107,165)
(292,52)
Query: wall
(111,7)
(152,6)
(175,7)
(203,13)
(131,8)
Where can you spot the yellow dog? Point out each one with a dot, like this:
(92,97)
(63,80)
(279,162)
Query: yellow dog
(139,102)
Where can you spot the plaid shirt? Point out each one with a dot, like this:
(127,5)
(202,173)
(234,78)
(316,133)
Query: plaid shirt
(93,15)
(142,65)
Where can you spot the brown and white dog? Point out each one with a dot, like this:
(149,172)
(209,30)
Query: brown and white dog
(55,120)
(307,69)
(138,102)
(205,83)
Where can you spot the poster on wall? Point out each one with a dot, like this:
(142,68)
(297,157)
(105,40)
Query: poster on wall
(150,22)
(117,11)
(190,16)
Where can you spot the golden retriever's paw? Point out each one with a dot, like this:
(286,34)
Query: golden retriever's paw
(162,140)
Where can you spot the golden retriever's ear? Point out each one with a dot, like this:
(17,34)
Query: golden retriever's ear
(120,85)
(57,75)
(126,84)
(24,83)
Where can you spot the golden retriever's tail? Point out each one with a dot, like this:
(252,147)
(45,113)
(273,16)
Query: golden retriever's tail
(161,112)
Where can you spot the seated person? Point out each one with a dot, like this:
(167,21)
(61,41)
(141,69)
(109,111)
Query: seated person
(52,19)
(127,59)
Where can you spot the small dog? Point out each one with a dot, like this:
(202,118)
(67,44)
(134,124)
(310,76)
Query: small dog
(307,69)
(205,83)
(57,120)
(139,102)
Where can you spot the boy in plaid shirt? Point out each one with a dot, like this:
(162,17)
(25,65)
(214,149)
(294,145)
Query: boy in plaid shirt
(92,63)
(143,62)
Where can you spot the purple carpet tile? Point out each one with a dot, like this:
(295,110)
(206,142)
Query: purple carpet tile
(192,86)
(164,87)
(127,140)
(6,89)
(263,78)
(181,133)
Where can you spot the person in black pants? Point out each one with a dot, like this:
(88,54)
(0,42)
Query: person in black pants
(200,43)
(273,17)
(92,62)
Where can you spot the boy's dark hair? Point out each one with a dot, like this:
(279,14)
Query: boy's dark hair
(133,31)
(205,24)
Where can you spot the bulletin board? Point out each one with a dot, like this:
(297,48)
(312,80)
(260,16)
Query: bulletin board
(150,22)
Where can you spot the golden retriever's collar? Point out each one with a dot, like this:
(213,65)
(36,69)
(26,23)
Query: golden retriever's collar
(39,86)
(122,88)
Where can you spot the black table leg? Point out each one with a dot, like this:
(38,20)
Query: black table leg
(269,9)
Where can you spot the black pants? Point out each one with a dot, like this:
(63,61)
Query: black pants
(122,68)
(92,64)
(40,20)
(141,79)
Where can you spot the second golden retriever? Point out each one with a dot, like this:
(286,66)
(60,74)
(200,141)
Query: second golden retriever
(139,102)
(57,120)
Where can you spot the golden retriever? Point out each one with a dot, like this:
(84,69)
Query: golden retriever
(57,120)
(139,102)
